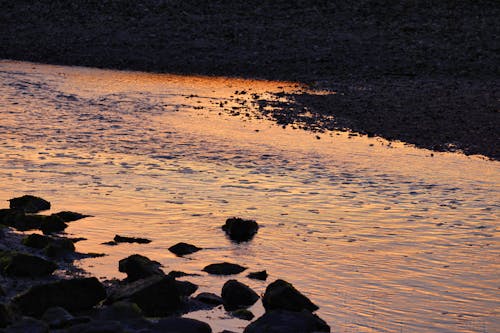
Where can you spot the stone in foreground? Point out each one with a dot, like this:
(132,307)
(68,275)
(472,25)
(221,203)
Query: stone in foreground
(281,295)
(224,268)
(240,230)
(181,249)
(282,321)
(138,267)
(29,204)
(73,295)
(177,325)
(237,295)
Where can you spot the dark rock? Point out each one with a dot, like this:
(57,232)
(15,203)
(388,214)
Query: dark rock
(156,295)
(98,326)
(181,249)
(73,295)
(29,204)
(27,324)
(36,241)
(237,295)
(5,212)
(2,292)
(138,267)
(5,315)
(282,295)
(186,288)
(52,223)
(58,317)
(22,222)
(240,230)
(123,239)
(209,298)
(262,275)
(176,274)
(59,247)
(224,268)
(67,216)
(243,314)
(178,325)
(281,321)
(110,243)
(22,264)
(121,311)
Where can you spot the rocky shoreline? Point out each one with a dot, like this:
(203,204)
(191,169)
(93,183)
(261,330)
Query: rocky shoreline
(426,74)
(41,290)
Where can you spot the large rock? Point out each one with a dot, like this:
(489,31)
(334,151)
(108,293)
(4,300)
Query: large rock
(283,296)
(59,247)
(181,249)
(186,288)
(23,222)
(224,268)
(73,295)
(282,321)
(180,325)
(52,223)
(237,295)
(156,295)
(24,265)
(139,267)
(240,230)
(29,204)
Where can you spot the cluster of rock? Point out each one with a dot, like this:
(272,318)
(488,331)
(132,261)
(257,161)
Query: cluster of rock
(147,300)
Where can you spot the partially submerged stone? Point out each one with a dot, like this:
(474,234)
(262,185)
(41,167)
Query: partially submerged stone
(181,249)
(240,230)
(262,275)
(281,295)
(224,268)
(52,223)
(237,295)
(282,321)
(68,216)
(73,295)
(124,239)
(29,204)
(243,314)
(138,267)
(209,298)
(24,265)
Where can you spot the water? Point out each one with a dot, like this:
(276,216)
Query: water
(383,237)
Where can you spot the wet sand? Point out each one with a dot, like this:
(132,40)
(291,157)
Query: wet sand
(426,75)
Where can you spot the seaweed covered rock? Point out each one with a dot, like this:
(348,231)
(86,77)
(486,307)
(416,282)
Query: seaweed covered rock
(282,321)
(240,230)
(73,295)
(24,265)
(156,295)
(181,249)
(224,268)
(29,204)
(237,295)
(281,295)
(138,267)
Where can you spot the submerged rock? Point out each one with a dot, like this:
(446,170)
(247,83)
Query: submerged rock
(73,295)
(238,295)
(177,325)
(24,265)
(262,275)
(124,239)
(181,249)
(156,295)
(29,204)
(224,268)
(283,296)
(282,321)
(240,230)
(138,267)
(68,216)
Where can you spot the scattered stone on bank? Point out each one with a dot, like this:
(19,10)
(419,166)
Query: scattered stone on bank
(138,267)
(24,265)
(27,324)
(281,295)
(186,288)
(178,324)
(181,249)
(73,295)
(282,321)
(68,216)
(29,204)
(156,295)
(240,230)
(209,298)
(262,275)
(224,268)
(237,295)
(124,239)
(243,314)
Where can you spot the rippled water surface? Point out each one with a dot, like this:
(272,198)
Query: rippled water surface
(384,238)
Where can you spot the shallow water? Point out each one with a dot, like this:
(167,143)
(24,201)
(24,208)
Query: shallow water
(383,237)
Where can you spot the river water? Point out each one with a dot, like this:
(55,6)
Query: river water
(382,237)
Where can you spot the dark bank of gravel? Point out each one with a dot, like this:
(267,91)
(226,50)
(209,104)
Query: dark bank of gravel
(426,72)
